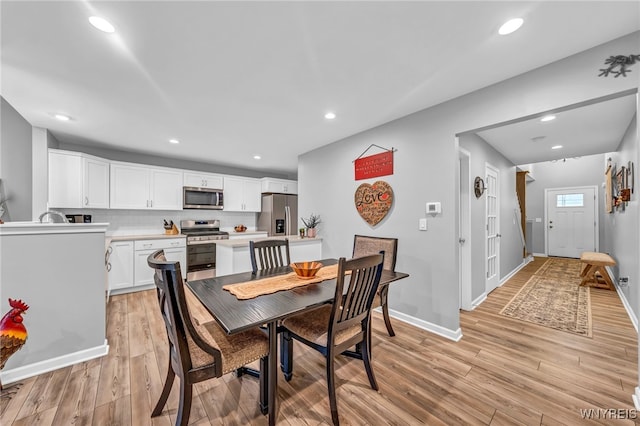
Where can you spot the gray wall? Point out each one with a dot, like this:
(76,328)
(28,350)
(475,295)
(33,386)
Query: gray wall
(15,163)
(583,171)
(621,227)
(510,242)
(425,170)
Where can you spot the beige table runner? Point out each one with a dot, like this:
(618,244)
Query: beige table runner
(255,288)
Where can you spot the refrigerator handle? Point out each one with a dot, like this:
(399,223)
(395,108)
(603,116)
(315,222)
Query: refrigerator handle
(287,220)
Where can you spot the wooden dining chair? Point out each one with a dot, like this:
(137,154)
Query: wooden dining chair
(364,245)
(199,352)
(334,329)
(268,254)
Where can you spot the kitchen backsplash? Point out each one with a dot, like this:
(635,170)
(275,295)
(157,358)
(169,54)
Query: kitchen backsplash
(149,222)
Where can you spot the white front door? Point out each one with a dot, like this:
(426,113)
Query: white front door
(571,221)
(492,194)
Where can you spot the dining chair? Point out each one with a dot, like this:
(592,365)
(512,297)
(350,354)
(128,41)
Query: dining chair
(364,245)
(333,329)
(268,254)
(199,352)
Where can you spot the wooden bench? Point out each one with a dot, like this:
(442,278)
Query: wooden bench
(593,269)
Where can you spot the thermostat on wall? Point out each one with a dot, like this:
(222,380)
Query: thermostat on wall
(434,208)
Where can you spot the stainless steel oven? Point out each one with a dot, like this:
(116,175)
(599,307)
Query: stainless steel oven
(201,246)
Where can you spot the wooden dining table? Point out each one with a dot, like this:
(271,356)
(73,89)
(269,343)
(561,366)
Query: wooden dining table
(235,315)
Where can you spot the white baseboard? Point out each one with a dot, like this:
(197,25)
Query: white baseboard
(426,325)
(636,398)
(524,263)
(623,299)
(26,371)
(540,254)
(478,301)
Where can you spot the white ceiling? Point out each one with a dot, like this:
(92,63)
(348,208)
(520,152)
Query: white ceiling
(587,130)
(234,79)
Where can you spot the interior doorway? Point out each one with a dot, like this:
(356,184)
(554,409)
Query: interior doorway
(492,227)
(464,230)
(571,221)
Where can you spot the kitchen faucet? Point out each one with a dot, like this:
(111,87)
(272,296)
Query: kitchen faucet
(53,214)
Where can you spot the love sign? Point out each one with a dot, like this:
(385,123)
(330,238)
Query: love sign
(373,202)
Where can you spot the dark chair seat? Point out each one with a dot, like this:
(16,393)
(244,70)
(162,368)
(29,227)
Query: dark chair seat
(334,329)
(199,351)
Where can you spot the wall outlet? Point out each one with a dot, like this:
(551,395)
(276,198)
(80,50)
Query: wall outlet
(623,281)
(422,224)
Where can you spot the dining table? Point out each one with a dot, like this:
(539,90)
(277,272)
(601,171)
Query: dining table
(236,315)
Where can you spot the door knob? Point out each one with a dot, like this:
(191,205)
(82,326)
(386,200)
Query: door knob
(461,240)
(498,235)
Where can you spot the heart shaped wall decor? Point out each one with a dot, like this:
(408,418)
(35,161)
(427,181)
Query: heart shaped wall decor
(373,202)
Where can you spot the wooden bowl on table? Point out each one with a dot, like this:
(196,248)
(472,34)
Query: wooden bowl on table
(306,270)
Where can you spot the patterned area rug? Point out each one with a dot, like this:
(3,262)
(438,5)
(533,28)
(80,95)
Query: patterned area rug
(554,298)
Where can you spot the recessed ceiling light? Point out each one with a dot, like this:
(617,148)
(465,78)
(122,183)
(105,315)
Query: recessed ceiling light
(330,115)
(556,147)
(510,26)
(102,24)
(174,141)
(548,118)
(256,157)
(62,117)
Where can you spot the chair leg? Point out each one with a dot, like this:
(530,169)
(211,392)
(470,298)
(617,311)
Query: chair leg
(264,385)
(366,357)
(166,390)
(286,355)
(331,385)
(184,409)
(385,309)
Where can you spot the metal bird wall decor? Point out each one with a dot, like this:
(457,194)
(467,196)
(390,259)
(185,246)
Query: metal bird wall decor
(618,65)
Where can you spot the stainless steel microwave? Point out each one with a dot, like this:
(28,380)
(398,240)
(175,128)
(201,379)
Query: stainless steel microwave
(202,198)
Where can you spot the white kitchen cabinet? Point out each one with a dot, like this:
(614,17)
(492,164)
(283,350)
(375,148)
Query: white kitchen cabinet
(77,180)
(119,263)
(138,187)
(203,180)
(174,250)
(279,186)
(242,194)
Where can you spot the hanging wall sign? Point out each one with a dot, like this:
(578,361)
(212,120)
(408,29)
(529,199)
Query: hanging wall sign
(374,165)
(373,202)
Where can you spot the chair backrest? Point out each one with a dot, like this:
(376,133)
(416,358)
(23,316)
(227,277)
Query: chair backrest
(353,305)
(268,254)
(364,245)
(177,320)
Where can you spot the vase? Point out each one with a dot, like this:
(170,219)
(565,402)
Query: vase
(311,232)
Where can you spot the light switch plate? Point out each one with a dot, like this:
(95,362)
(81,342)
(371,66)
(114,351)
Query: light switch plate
(422,224)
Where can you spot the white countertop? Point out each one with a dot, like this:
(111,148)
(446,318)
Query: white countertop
(240,242)
(18,228)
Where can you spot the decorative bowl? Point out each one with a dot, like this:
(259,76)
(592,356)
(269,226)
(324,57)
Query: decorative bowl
(306,269)
(240,228)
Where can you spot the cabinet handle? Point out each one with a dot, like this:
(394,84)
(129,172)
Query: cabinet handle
(150,203)
(109,267)
(147,245)
(175,243)
(86,201)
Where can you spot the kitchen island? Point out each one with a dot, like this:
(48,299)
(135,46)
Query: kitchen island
(232,256)
(58,270)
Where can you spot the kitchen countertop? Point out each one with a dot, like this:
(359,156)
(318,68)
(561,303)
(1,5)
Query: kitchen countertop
(239,242)
(236,234)
(111,238)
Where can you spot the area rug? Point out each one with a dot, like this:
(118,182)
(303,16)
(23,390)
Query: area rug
(554,298)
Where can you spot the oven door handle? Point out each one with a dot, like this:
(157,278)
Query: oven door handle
(198,243)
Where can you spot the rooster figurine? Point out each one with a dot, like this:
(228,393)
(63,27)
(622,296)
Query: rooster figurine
(13,334)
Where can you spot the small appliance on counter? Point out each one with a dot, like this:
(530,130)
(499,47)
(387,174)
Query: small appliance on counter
(78,218)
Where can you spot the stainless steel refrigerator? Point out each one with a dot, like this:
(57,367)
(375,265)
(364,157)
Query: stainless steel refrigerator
(279,215)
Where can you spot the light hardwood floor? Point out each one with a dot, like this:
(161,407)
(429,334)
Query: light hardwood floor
(503,371)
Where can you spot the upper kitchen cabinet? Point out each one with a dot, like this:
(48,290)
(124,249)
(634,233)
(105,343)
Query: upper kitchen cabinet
(78,180)
(242,194)
(279,186)
(203,180)
(138,187)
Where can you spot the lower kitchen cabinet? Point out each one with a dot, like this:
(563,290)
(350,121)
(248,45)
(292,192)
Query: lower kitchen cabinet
(120,265)
(127,262)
